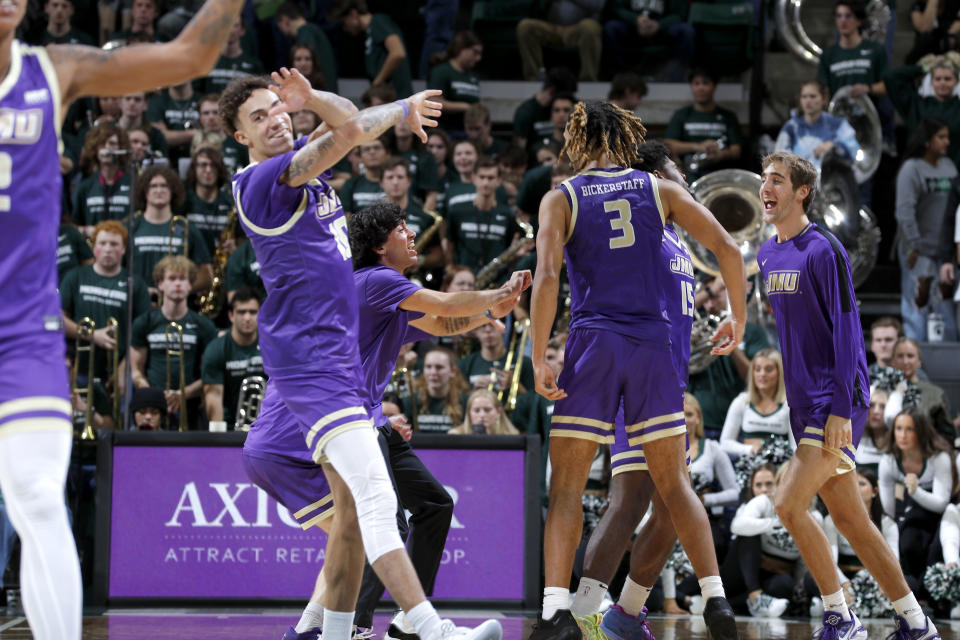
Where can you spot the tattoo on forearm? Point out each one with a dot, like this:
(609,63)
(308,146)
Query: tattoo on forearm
(301,166)
(455,325)
(376,120)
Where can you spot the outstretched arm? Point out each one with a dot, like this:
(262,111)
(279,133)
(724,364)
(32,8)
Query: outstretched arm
(325,151)
(88,71)
(554,222)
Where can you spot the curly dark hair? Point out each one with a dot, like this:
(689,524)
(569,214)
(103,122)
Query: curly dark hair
(234,95)
(177,194)
(369,229)
(96,138)
(652,156)
(216,159)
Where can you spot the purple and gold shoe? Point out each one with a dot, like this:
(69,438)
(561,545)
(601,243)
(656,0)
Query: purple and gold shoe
(906,632)
(617,624)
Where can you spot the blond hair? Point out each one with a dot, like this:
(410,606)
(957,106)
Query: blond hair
(780,395)
(692,399)
(502,426)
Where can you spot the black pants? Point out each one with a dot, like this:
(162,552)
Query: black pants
(431,510)
(741,573)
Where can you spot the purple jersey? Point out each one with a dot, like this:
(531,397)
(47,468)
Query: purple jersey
(614,263)
(30,190)
(384,329)
(299,235)
(679,300)
(808,282)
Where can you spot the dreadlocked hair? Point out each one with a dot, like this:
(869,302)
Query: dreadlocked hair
(602,127)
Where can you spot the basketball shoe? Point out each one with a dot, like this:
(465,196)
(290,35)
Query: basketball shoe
(836,628)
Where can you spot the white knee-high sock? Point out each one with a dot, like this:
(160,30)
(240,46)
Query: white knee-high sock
(33,469)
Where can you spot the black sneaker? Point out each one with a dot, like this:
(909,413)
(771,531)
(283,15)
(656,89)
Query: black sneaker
(719,616)
(562,626)
(396,633)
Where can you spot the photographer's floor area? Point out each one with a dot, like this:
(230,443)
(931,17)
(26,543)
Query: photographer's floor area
(171,624)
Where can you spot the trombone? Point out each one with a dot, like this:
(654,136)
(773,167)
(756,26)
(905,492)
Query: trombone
(114,328)
(185,225)
(85,333)
(174,329)
(514,363)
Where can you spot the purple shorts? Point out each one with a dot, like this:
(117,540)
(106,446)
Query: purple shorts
(34,385)
(601,369)
(323,404)
(807,426)
(300,487)
(626,457)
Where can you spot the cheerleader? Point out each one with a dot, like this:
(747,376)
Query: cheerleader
(759,413)
(874,441)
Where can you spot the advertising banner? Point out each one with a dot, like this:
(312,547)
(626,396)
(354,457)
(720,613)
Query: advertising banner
(186,522)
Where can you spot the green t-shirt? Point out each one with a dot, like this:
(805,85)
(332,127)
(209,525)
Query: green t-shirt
(689,125)
(96,201)
(228,363)
(864,64)
(480,236)
(913,107)
(235,155)
(176,115)
(496,146)
(459,196)
(457,86)
(149,331)
(86,294)
(359,192)
(243,270)
(226,70)
(423,171)
(432,419)
(74,36)
(535,184)
(418,222)
(717,385)
(375,53)
(152,242)
(314,37)
(475,366)
(532,121)
(72,249)
(209,218)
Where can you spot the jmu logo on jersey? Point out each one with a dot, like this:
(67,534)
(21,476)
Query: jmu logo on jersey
(681,265)
(328,202)
(20,127)
(782,282)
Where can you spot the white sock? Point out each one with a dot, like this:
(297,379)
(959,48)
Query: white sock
(711,587)
(633,597)
(554,599)
(590,594)
(337,625)
(908,608)
(312,617)
(836,602)
(425,620)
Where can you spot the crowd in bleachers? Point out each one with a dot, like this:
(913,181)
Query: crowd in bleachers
(158,167)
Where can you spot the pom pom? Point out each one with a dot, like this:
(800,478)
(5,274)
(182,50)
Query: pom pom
(679,562)
(886,378)
(943,583)
(593,508)
(776,451)
(869,600)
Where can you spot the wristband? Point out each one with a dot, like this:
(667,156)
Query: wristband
(488,314)
(406,108)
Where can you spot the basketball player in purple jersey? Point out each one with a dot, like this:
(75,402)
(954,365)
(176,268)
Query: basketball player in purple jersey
(35,417)
(608,222)
(631,486)
(308,334)
(807,277)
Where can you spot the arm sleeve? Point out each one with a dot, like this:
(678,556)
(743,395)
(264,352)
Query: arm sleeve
(750,519)
(887,477)
(729,437)
(908,192)
(723,471)
(950,534)
(937,499)
(213,364)
(837,297)
(891,534)
(386,288)
(138,335)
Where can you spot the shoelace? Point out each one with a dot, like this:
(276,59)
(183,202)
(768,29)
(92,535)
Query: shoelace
(591,627)
(363,633)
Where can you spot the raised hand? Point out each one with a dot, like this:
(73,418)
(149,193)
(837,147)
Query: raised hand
(294,91)
(423,111)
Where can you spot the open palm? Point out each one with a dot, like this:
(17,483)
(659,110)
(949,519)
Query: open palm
(423,112)
(294,90)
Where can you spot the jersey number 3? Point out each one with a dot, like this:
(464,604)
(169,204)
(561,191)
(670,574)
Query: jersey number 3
(621,224)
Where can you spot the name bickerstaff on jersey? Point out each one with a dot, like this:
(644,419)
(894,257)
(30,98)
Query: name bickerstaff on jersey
(610,187)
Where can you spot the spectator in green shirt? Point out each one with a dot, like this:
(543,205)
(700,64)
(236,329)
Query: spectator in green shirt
(60,29)
(440,147)
(477,124)
(105,193)
(422,165)
(531,120)
(646,24)
(385,55)
(913,107)
(133,109)
(627,90)
(395,182)
(175,113)
(456,78)
(304,59)
(364,189)
(234,62)
(143,16)
(209,200)
(292,23)
(72,250)
(704,129)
